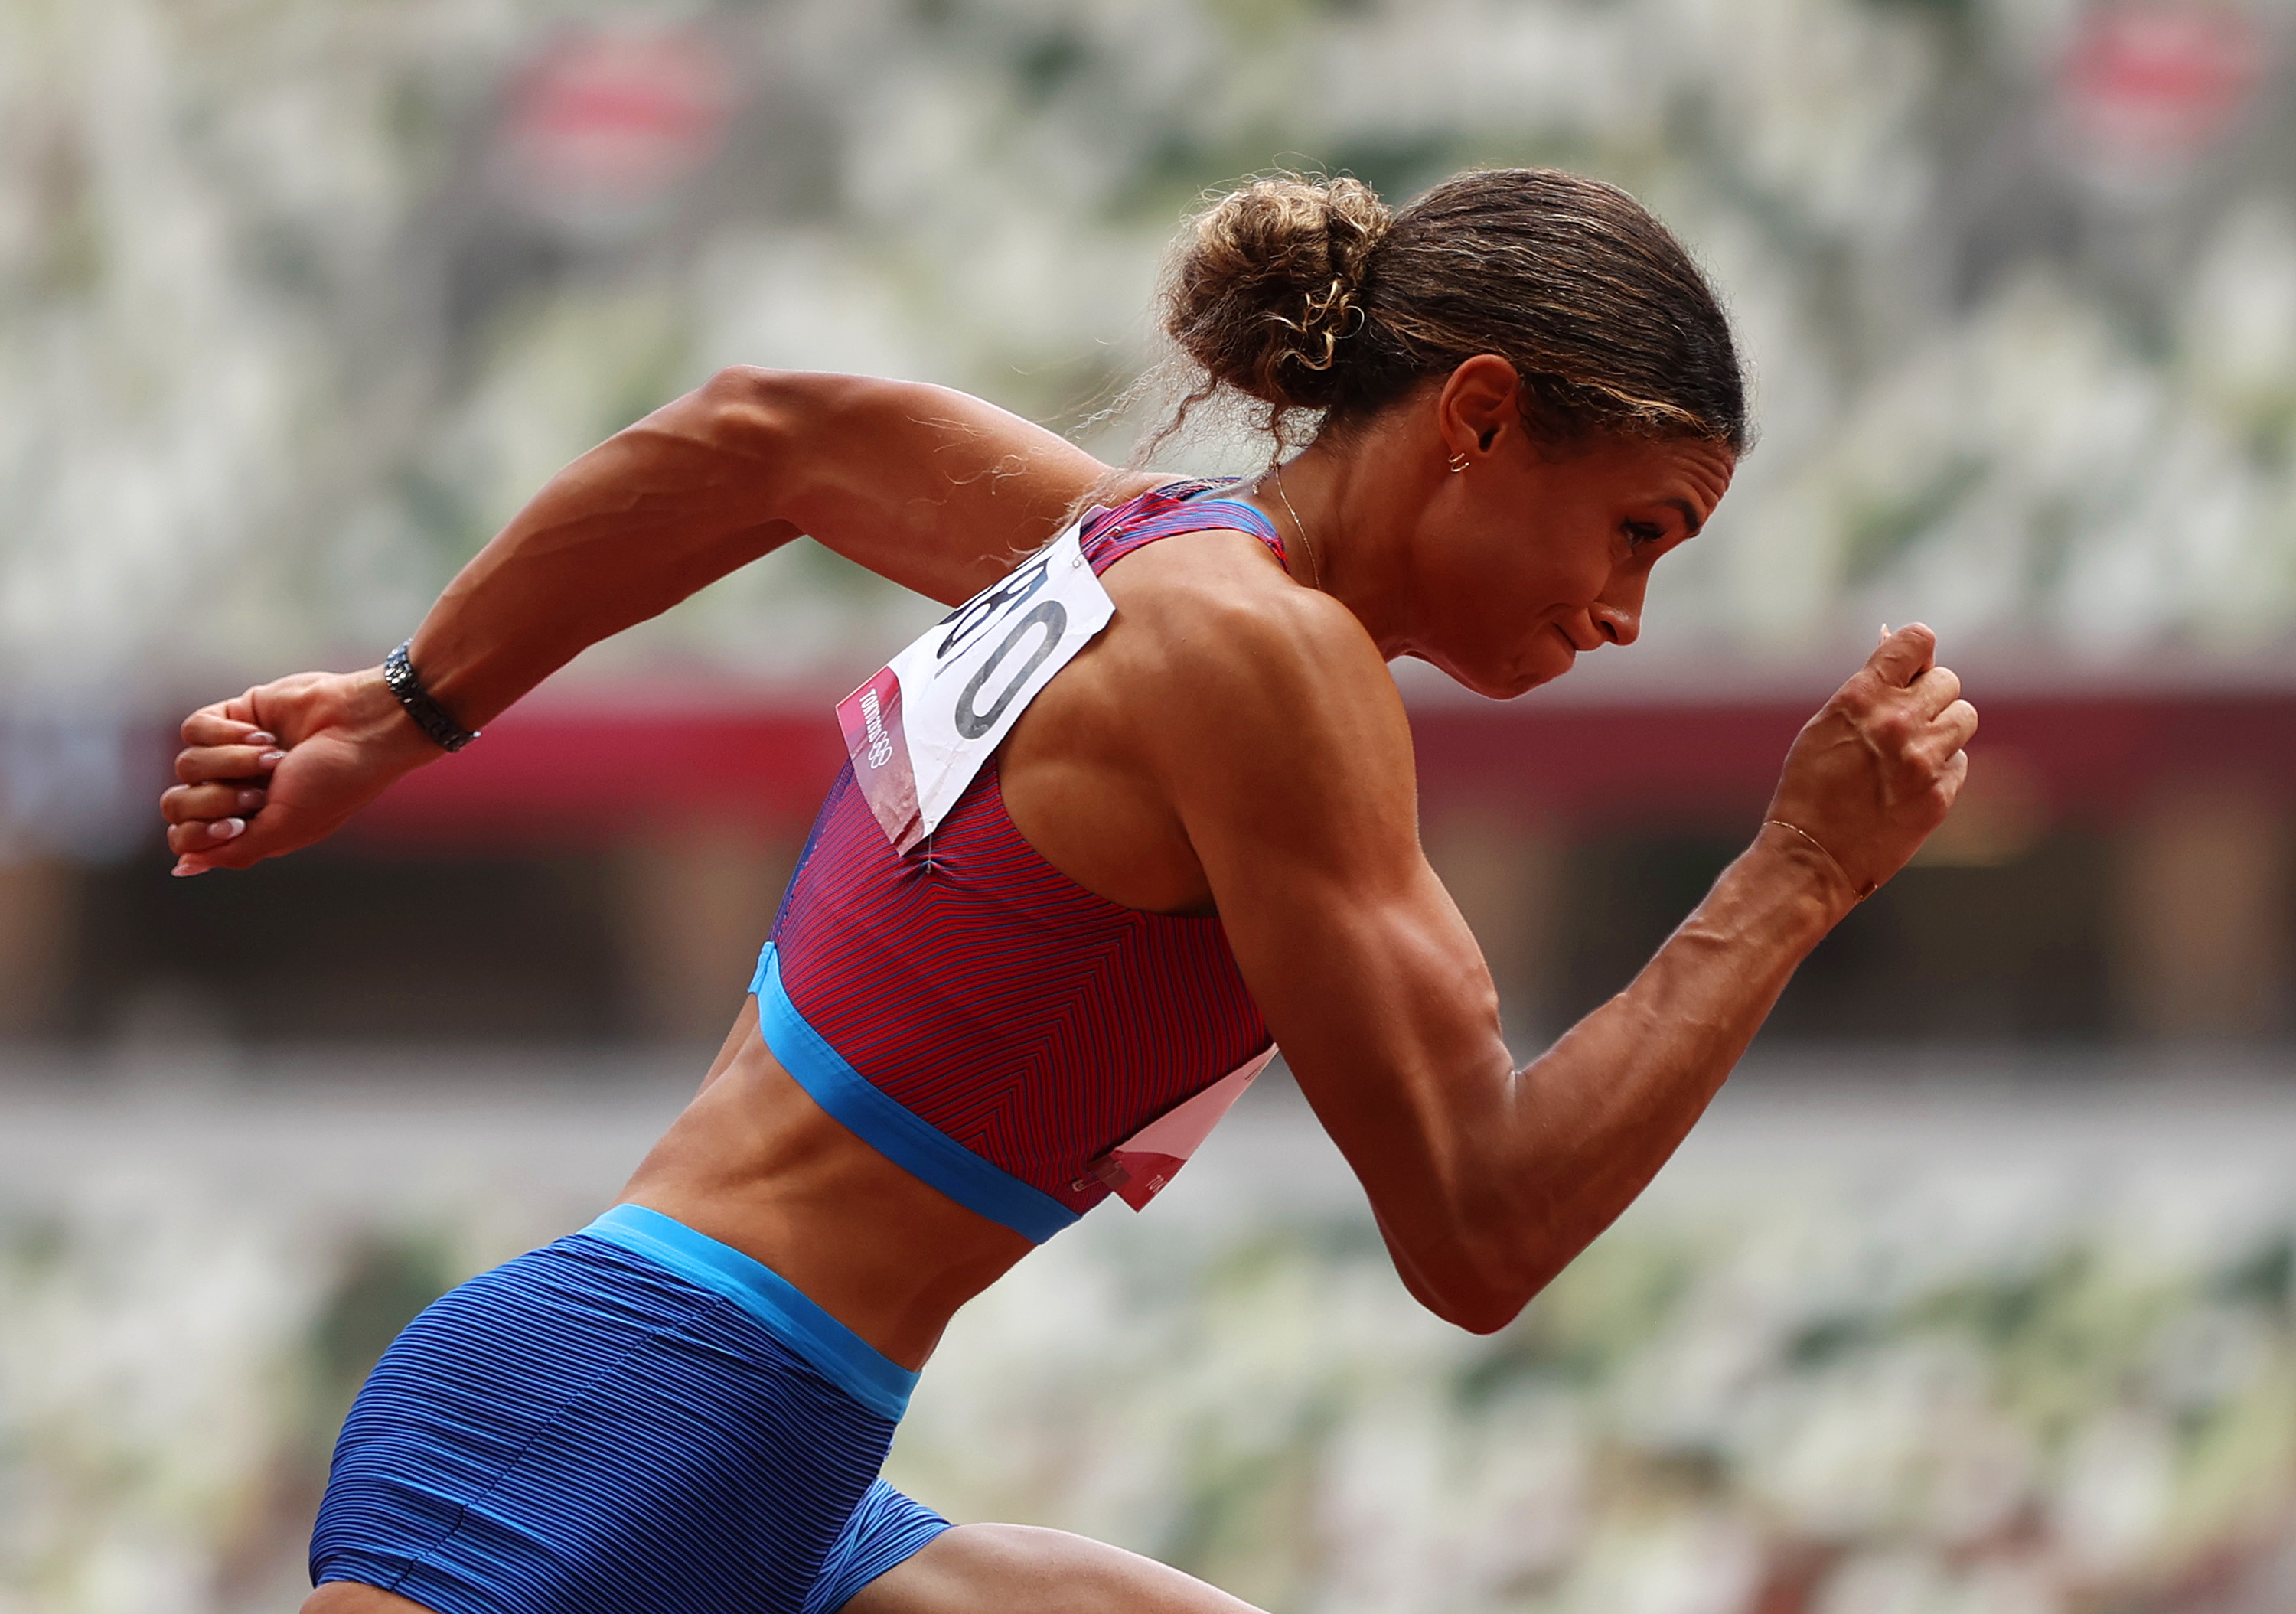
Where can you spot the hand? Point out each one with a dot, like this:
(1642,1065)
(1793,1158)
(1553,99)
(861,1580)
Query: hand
(1878,768)
(284,766)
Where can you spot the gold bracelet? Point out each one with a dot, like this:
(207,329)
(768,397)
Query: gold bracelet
(1858,894)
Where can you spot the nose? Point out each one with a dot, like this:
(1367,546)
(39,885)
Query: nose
(1617,624)
(1616,612)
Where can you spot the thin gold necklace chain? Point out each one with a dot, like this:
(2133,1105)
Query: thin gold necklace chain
(1314,561)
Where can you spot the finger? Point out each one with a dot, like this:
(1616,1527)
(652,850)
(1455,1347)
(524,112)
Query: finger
(214,725)
(204,763)
(228,854)
(185,803)
(1953,776)
(204,835)
(1935,689)
(1904,655)
(1959,722)
(256,839)
(1943,739)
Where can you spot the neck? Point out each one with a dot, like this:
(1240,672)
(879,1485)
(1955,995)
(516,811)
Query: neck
(1354,549)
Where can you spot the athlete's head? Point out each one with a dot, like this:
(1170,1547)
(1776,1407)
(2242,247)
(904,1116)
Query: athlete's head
(1541,336)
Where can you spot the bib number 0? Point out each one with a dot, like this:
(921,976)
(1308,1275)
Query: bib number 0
(921,729)
(1050,620)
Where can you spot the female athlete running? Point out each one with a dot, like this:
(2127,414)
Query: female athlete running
(1143,802)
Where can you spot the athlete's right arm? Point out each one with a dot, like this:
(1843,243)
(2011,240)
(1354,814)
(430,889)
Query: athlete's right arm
(934,489)
(1290,763)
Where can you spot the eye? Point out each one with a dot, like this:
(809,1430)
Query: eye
(1639,533)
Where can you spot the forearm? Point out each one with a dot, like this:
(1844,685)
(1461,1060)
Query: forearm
(1866,780)
(1488,1180)
(1587,1125)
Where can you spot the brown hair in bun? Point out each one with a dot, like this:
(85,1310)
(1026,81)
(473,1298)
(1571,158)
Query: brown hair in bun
(1308,294)
(1271,281)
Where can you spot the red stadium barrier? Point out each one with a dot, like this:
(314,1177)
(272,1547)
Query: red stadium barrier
(567,776)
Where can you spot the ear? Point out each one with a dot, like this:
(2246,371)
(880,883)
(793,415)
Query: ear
(1479,405)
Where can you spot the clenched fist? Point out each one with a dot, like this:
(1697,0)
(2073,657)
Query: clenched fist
(1878,768)
(284,766)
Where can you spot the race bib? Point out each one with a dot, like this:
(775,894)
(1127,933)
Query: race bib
(921,729)
(1138,1167)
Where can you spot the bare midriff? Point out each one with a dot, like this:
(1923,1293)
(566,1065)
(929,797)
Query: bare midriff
(755,1163)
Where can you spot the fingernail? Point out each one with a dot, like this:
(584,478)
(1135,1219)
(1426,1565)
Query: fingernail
(185,868)
(269,760)
(249,800)
(261,738)
(226,829)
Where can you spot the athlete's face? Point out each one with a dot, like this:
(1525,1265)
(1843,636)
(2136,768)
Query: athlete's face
(1539,557)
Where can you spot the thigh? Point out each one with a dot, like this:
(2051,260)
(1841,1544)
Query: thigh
(1018,1569)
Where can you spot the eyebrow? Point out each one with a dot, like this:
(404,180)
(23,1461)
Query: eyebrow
(1690,517)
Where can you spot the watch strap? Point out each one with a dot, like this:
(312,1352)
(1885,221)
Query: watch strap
(428,716)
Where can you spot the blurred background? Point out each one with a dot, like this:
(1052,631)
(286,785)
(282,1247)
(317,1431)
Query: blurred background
(1978,1291)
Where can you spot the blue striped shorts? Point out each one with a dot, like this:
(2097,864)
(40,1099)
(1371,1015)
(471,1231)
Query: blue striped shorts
(634,1419)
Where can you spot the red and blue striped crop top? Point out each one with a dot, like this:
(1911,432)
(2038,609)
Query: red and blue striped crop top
(981,1019)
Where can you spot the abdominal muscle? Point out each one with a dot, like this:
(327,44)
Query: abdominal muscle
(755,1163)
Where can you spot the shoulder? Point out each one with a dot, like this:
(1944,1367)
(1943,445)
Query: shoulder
(1239,667)
(1216,602)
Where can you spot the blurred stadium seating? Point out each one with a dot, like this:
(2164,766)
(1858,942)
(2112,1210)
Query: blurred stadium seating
(1987,1310)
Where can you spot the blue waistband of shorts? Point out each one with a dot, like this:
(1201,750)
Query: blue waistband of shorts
(910,1142)
(840,1356)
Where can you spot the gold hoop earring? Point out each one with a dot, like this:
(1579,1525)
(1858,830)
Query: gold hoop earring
(1458,462)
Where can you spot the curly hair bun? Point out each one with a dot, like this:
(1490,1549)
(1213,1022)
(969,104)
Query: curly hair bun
(1268,288)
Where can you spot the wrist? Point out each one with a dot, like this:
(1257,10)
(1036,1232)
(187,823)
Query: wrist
(383,729)
(1792,853)
(420,705)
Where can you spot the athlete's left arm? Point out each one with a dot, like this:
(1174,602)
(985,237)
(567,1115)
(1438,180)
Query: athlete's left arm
(1284,749)
(934,489)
